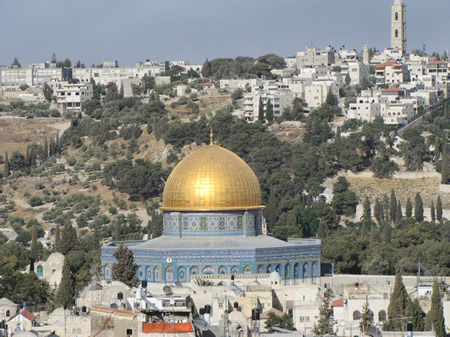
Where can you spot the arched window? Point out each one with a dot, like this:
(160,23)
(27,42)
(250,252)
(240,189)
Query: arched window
(287,272)
(356,315)
(169,274)
(40,271)
(149,274)
(260,269)
(314,269)
(370,313)
(305,270)
(296,270)
(381,316)
(278,269)
(396,16)
(396,33)
(222,270)
(107,272)
(269,269)
(208,270)
(234,270)
(194,271)
(247,270)
(157,274)
(8,313)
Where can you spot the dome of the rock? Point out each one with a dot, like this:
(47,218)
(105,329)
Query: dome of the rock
(212,179)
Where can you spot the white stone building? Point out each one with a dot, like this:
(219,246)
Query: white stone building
(71,96)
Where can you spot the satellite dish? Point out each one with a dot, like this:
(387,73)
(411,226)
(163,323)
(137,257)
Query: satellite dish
(169,260)
(201,324)
(167,290)
(172,301)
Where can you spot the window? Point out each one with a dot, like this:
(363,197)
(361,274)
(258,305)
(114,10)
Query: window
(356,315)
(396,33)
(382,316)
(40,271)
(396,16)
(304,319)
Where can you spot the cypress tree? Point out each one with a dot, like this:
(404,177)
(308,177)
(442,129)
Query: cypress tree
(415,314)
(408,208)
(444,164)
(124,270)
(45,151)
(378,211)
(206,69)
(261,110)
(437,150)
(325,323)
(436,311)
(66,290)
(418,208)
(57,247)
(439,209)
(366,318)
(393,206)
(398,213)
(387,233)
(6,168)
(367,213)
(269,111)
(397,305)
(386,208)
(69,239)
(433,212)
(323,230)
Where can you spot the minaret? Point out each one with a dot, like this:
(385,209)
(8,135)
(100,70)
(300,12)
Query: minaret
(366,54)
(398,26)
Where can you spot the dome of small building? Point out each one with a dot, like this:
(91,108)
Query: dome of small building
(55,258)
(274,276)
(212,179)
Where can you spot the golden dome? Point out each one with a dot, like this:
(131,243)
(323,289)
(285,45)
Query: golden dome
(212,179)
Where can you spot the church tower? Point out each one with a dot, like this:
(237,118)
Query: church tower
(398,26)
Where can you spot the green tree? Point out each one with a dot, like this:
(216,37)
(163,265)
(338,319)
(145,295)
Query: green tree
(261,110)
(206,69)
(387,233)
(418,208)
(324,326)
(269,111)
(69,239)
(66,290)
(48,92)
(34,249)
(366,318)
(444,164)
(6,168)
(347,79)
(439,209)
(398,213)
(344,201)
(408,213)
(436,311)
(393,206)
(397,305)
(415,314)
(16,63)
(432,212)
(124,270)
(283,322)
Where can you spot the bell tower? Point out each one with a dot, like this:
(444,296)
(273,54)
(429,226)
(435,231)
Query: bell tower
(398,26)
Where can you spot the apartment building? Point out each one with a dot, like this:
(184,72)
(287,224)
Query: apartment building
(391,72)
(365,109)
(315,57)
(316,93)
(71,96)
(358,72)
(279,94)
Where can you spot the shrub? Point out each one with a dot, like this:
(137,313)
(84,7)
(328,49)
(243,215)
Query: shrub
(35,200)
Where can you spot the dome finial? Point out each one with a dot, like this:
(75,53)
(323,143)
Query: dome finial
(211,137)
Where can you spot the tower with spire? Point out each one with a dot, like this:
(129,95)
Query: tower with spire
(398,26)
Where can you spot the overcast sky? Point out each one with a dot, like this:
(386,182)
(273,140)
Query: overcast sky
(133,30)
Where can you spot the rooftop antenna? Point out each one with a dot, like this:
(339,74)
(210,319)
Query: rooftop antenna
(211,137)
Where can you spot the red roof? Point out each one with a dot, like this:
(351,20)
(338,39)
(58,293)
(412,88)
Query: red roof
(388,63)
(28,315)
(393,89)
(208,84)
(438,62)
(338,303)
(166,327)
